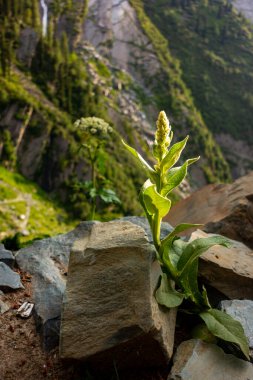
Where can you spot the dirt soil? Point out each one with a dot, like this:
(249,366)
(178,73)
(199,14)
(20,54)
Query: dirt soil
(21,355)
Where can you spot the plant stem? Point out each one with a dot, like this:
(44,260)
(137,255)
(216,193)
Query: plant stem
(93,179)
(157,230)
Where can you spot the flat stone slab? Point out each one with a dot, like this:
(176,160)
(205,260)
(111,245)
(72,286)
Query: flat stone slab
(197,360)
(222,209)
(6,256)
(110,316)
(230,270)
(9,280)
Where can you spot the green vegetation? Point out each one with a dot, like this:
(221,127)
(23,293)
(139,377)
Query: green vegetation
(27,210)
(178,258)
(214,45)
(95,132)
(173,96)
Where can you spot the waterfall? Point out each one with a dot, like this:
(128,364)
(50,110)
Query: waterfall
(44,16)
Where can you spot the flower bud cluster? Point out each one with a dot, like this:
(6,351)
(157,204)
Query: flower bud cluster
(163,136)
(94,126)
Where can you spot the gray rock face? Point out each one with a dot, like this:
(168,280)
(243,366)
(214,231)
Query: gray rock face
(242,311)
(47,261)
(113,28)
(9,280)
(109,301)
(197,360)
(6,256)
(245,7)
(230,270)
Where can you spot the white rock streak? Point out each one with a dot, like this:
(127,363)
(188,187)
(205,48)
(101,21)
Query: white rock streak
(44,16)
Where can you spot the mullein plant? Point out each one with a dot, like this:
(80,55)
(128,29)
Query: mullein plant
(179,259)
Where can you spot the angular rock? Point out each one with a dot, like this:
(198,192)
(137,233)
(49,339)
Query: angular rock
(230,270)
(6,256)
(110,316)
(4,307)
(242,311)
(47,261)
(9,280)
(222,209)
(197,360)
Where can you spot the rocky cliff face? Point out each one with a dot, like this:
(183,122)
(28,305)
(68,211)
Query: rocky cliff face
(113,28)
(245,7)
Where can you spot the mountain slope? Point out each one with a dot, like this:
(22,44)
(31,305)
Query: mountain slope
(26,210)
(215,47)
(123,33)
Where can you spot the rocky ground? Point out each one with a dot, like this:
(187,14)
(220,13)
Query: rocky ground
(95,316)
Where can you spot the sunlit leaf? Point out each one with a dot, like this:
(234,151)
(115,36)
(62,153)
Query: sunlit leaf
(154,202)
(173,155)
(176,175)
(150,171)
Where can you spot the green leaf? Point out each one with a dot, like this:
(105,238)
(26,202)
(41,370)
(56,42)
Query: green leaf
(166,295)
(179,228)
(176,175)
(195,248)
(189,282)
(225,327)
(108,196)
(169,255)
(151,172)
(187,267)
(173,155)
(154,202)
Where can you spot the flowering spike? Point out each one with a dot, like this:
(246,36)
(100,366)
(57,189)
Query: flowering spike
(162,136)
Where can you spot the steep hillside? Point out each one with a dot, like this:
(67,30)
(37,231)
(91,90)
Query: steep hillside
(215,47)
(26,210)
(123,33)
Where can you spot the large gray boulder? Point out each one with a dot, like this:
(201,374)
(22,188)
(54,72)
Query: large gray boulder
(197,360)
(230,270)
(110,316)
(47,261)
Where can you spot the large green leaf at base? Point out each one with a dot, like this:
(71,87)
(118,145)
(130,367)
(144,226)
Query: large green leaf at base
(166,295)
(225,327)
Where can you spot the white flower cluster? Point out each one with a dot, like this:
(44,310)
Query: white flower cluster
(94,126)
